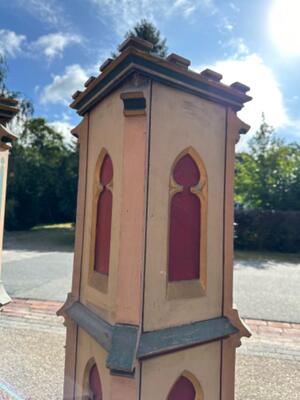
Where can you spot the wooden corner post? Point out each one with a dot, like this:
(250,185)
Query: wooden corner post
(150,315)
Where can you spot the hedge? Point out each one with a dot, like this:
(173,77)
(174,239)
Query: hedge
(267,230)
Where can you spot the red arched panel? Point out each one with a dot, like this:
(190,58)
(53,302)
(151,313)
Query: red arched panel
(95,384)
(103,219)
(185,220)
(182,390)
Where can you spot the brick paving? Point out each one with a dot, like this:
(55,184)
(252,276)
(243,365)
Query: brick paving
(277,328)
(26,307)
(46,310)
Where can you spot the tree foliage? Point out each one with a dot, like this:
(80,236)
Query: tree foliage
(42,178)
(147,31)
(268,175)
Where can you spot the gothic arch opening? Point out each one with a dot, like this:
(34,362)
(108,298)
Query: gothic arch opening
(92,388)
(186,387)
(103,216)
(187,219)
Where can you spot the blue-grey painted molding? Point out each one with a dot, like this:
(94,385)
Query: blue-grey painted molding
(178,337)
(120,340)
(124,347)
(95,326)
(122,355)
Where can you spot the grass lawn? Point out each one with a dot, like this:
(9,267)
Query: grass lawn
(263,257)
(57,237)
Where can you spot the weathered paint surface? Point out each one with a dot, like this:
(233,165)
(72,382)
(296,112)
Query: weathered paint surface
(200,125)
(202,362)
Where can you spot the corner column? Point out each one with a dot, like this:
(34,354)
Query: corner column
(132,240)
(235,127)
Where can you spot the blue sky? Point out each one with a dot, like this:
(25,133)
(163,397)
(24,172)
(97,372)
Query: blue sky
(53,46)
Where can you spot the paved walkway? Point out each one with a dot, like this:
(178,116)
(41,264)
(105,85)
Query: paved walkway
(268,364)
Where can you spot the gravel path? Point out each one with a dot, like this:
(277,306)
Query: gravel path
(33,363)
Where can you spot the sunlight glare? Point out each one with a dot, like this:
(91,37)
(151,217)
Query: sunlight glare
(285,26)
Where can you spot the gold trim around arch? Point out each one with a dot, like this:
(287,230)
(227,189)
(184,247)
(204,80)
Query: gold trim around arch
(96,279)
(197,386)
(197,287)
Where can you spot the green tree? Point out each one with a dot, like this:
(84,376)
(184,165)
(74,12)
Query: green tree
(42,178)
(268,175)
(147,31)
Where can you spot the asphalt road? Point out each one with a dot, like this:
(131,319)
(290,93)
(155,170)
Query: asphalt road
(45,276)
(271,293)
(265,288)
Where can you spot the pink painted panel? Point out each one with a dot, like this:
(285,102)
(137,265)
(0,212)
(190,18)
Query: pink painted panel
(182,390)
(103,221)
(95,384)
(184,233)
(106,173)
(186,172)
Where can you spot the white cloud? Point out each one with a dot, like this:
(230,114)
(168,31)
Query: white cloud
(63,86)
(53,44)
(251,70)
(234,7)
(49,12)
(226,24)
(62,127)
(238,46)
(125,13)
(10,43)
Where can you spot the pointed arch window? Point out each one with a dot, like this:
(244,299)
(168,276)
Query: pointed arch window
(187,224)
(95,388)
(186,387)
(103,217)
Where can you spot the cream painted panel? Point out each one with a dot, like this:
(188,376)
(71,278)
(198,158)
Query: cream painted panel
(105,131)
(87,348)
(160,374)
(180,120)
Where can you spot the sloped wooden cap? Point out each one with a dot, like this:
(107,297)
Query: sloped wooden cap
(212,75)
(178,60)
(137,43)
(136,57)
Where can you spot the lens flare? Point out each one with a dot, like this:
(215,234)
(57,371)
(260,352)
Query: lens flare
(285,26)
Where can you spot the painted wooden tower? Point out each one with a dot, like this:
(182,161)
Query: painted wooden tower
(8,109)
(150,315)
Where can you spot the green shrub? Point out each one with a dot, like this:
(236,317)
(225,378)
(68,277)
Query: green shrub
(267,230)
